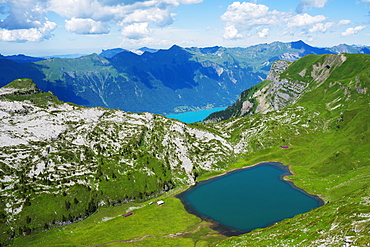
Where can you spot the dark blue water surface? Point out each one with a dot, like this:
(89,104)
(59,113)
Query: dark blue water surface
(249,198)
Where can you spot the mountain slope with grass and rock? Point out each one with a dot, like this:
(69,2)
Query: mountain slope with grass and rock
(62,162)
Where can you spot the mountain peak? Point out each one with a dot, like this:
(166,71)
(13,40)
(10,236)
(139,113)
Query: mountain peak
(299,44)
(307,49)
(175,48)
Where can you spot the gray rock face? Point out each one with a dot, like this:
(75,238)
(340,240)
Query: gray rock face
(247,106)
(277,67)
(280,92)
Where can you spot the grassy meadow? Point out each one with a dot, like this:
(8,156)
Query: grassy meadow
(156,225)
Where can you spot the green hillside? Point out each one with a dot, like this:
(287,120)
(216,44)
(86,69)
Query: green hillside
(325,125)
(330,160)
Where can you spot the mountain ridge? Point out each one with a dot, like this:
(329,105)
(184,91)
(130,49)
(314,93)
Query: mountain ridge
(215,76)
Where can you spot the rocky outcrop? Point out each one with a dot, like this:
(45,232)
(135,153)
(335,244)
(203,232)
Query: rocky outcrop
(246,107)
(280,90)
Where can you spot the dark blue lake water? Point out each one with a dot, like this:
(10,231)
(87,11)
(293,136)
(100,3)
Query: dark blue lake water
(249,198)
(195,116)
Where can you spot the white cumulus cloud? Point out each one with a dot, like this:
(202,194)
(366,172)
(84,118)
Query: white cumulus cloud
(305,20)
(85,26)
(30,34)
(87,9)
(159,16)
(231,32)
(353,30)
(85,16)
(156,11)
(321,27)
(246,19)
(263,33)
(250,14)
(136,31)
(244,11)
(344,22)
(24,14)
(310,3)
(240,17)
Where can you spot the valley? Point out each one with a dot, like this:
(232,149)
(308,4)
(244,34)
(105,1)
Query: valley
(61,162)
(187,79)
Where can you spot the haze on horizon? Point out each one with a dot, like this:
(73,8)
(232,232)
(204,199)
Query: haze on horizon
(51,27)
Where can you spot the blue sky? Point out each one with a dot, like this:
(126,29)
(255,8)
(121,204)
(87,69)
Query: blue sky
(53,27)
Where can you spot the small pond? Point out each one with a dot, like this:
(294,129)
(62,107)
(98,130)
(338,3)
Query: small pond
(249,198)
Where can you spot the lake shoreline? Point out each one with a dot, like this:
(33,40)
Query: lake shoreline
(230,231)
(236,169)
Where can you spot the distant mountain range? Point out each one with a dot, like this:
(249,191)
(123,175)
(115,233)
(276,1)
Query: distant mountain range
(20,58)
(112,52)
(159,81)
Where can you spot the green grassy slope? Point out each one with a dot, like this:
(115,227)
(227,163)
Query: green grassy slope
(150,225)
(327,130)
(333,163)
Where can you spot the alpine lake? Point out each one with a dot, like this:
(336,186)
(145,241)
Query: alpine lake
(249,198)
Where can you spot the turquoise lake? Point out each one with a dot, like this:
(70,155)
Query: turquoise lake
(195,116)
(243,200)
